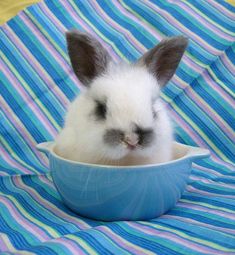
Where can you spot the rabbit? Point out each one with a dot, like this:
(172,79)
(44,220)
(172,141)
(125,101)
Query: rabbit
(118,118)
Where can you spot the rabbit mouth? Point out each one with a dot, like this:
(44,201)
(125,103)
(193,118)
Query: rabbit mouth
(130,145)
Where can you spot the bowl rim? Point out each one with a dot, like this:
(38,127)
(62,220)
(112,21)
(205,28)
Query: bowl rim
(190,154)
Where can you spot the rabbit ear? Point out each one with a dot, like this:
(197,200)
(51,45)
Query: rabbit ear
(163,59)
(88,57)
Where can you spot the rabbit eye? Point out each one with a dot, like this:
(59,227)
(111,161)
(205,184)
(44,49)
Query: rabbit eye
(100,110)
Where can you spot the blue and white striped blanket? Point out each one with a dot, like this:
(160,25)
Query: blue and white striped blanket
(36,85)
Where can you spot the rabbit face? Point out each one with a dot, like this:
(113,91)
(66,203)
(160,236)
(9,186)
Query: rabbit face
(124,108)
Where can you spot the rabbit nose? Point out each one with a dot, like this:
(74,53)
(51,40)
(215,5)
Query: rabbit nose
(131,140)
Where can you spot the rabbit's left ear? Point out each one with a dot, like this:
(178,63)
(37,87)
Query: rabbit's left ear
(163,59)
(88,57)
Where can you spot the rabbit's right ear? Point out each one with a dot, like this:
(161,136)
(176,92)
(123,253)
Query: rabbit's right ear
(88,57)
(163,59)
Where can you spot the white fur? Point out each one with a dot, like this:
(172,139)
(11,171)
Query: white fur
(130,91)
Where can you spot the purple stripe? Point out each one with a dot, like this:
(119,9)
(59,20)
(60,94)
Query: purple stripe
(7,157)
(208,194)
(208,170)
(217,119)
(229,165)
(49,206)
(46,181)
(73,247)
(3,173)
(208,210)
(204,180)
(222,9)
(26,223)
(51,17)
(87,28)
(36,32)
(204,21)
(193,135)
(173,237)
(197,223)
(188,129)
(183,29)
(27,99)
(208,181)
(226,61)
(201,73)
(119,240)
(218,160)
(192,63)
(3,246)
(37,68)
(119,29)
(215,86)
(150,30)
(230,169)
(60,26)
(25,136)
(14,163)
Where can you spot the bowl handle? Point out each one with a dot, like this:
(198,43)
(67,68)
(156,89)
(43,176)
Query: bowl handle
(198,153)
(45,147)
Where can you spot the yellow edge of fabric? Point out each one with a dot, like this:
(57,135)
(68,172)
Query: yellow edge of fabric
(10,8)
(232,2)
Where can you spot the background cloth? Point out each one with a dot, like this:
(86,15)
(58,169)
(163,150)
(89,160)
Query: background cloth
(37,84)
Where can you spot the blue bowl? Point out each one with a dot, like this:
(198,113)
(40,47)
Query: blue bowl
(111,193)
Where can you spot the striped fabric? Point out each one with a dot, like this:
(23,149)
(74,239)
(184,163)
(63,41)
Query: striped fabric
(36,85)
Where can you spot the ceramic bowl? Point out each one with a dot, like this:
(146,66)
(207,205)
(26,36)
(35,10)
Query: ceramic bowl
(111,193)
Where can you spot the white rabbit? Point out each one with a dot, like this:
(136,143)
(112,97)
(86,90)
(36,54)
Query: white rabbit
(118,119)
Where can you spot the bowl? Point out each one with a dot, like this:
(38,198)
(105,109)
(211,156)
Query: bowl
(112,193)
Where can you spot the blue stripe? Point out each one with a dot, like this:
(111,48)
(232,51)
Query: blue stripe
(141,35)
(194,215)
(53,68)
(213,13)
(93,242)
(227,5)
(118,39)
(189,22)
(39,92)
(43,190)
(141,241)
(226,203)
(39,214)
(199,232)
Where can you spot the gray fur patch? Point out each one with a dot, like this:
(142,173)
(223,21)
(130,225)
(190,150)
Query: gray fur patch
(88,57)
(113,137)
(146,136)
(163,60)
